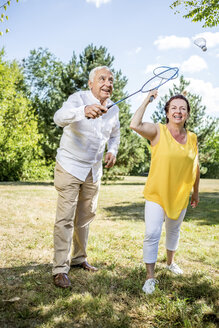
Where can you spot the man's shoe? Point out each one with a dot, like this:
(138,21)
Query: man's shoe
(173,267)
(84,265)
(62,280)
(149,286)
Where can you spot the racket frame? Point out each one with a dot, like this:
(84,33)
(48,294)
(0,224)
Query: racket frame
(166,69)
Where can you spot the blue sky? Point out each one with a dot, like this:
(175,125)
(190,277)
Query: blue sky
(140,34)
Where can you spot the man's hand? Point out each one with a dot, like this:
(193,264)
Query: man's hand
(110,160)
(194,199)
(95,110)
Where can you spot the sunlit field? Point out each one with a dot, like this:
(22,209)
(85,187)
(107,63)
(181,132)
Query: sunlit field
(113,296)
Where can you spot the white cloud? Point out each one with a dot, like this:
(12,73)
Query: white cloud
(209,94)
(137,50)
(150,68)
(172,42)
(212,39)
(193,64)
(98,3)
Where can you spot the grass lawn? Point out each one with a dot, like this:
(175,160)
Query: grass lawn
(112,297)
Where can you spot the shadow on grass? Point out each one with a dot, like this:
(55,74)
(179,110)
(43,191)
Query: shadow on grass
(105,299)
(188,296)
(207,212)
(127,183)
(27,183)
(126,211)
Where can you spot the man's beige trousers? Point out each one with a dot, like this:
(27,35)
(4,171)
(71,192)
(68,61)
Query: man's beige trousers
(76,208)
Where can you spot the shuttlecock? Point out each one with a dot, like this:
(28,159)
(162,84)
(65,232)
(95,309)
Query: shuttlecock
(201,43)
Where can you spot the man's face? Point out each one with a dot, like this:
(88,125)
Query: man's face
(102,85)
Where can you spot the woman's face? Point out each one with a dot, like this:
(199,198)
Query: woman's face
(178,111)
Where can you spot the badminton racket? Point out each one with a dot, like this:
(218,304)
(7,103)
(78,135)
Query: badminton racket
(161,75)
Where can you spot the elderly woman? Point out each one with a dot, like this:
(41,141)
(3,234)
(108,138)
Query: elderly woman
(174,171)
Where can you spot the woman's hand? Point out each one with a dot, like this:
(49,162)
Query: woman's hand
(152,93)
(194,199)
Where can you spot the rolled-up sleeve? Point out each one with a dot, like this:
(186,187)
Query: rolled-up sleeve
(71,111)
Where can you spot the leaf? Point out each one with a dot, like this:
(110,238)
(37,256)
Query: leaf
(12,300)
(7,30)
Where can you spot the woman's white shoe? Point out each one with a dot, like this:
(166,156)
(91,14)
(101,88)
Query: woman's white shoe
(173,267)
(149,286)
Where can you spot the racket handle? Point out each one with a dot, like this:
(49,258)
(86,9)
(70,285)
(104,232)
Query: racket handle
(108,107)
(101,111)
(151,98)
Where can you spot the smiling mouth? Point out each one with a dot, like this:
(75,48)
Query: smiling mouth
(106,90)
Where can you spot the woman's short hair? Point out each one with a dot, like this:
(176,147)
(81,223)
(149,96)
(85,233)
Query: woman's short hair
(179,96)
(94,70)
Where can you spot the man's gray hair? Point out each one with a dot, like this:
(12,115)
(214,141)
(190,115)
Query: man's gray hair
(94,70)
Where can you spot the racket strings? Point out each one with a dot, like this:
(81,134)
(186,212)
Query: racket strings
(160,77)
(166,75)
(154,83)
(166,72)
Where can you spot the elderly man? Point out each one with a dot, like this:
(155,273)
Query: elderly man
(88,125)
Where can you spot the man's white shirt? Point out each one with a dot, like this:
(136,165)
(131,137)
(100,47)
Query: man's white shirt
(83,141)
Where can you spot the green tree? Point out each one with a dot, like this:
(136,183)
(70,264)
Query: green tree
(43,75)
(213,164)
(3,7)
(20,153)
(204,126)
(205,10)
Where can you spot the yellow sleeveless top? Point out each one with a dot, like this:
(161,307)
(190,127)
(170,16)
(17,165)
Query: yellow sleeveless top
(172,172)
